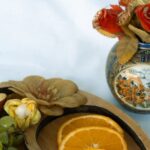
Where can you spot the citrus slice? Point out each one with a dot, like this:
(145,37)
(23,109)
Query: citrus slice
(95,138)
(87,121)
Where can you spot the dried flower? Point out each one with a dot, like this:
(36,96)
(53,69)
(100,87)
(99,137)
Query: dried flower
(51,95)
(123,23)
(143,14)
(106,21)
(24,112)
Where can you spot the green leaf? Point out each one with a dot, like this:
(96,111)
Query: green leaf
(12,148)
(4,137)
(18,139)
(7,122)
(1,146)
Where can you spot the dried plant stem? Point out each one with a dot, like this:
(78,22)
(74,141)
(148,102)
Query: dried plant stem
(128,32)
(144,36)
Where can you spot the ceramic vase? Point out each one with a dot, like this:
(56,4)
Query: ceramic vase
(130,83)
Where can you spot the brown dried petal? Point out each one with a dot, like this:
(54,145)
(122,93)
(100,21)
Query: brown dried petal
(17,91)
(4,85)
(53,80)
(42,102)
(53,111)
(46,90)
(39,101)
(33,83)
(29,95)
(71,101)
(65,88)
(16,85)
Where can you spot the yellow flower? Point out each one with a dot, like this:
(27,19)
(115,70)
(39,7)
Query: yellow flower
(24,112)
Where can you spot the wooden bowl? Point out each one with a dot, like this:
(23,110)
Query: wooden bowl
(44,135)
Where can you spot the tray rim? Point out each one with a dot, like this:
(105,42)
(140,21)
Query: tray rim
(97,102)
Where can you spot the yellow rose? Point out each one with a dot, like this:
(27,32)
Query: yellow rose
(24,112)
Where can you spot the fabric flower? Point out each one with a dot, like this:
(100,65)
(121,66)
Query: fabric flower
(24,112)
(143,14)
(106,21)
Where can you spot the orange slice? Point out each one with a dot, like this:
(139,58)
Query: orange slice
(87,121)
(93,149)
(95,138)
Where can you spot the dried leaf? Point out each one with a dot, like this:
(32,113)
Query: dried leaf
(143,35)
(126,48)
(53,111)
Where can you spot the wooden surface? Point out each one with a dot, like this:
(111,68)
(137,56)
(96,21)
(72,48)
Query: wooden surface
(48,135)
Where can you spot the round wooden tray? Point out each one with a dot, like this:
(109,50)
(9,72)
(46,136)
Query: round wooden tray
(43,136)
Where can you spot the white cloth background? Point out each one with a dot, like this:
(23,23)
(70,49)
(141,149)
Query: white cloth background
(55,38)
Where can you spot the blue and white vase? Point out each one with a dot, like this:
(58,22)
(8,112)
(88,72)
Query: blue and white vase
(130,83)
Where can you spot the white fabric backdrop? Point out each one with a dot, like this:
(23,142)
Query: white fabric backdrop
(55,38)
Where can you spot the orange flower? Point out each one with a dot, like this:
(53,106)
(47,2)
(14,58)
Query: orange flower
(124,2)
(106,21)
(143,14)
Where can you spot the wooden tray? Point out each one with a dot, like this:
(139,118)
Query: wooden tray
(43,136)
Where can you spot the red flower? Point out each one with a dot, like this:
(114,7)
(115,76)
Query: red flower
(106,21)
(143,14)
(124,2)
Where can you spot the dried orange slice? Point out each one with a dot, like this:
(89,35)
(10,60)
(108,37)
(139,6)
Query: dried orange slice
(95,138)
(87,121)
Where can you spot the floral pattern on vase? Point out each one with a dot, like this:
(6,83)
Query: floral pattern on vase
(130,83)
